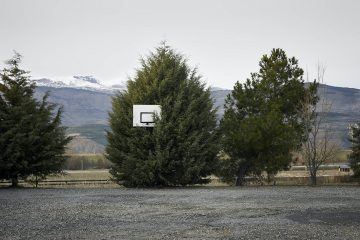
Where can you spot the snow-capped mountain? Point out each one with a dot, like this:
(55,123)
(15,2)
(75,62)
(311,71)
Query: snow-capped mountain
(77,82)
(87,101)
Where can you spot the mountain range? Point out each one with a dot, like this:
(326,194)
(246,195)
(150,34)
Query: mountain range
(87,101)
(89,83)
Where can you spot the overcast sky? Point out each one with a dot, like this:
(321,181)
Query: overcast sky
(224,39)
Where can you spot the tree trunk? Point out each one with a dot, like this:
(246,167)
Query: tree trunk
(271,178)
(240,180)
(313,179)
(14,181)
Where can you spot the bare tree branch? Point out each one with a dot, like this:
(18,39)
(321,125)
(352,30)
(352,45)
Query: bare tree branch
(319,146)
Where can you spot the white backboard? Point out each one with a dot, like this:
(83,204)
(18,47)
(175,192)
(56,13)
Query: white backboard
(143,115)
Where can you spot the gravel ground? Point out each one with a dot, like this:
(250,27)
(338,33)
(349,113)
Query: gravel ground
(181,213)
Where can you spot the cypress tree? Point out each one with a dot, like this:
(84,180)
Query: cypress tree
(32,140)
(181,149)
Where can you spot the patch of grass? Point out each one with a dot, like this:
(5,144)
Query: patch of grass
(342,156)
(81,175)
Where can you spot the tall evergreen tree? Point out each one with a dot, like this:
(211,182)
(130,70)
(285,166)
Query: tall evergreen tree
(181,149)
(32,140)
(262,121)
(354,157)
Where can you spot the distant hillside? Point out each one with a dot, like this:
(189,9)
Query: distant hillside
(219,97)
(94,132)
(345,110)
(80,106)
(343,100)
(86,111)
(84,145)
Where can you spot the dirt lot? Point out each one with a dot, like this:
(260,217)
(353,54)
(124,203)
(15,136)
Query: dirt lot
(190,213)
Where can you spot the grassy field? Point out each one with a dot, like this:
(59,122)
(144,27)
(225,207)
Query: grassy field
(98,161)
(342,156)
(103,177)
(102,174)
(91,170)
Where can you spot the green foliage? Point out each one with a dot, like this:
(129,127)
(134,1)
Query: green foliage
(181,149)
(262,121)
(354,157)
(32,142)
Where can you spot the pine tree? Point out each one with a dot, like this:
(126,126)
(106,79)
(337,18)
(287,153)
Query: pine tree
(262,121)
(32,140)
(354,157)
(181,149)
